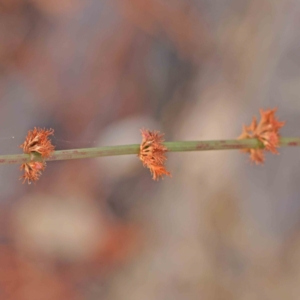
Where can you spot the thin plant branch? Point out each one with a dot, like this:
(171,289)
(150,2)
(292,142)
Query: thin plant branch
(134,149)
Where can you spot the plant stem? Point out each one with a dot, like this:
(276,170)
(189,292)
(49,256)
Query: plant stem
(134,149)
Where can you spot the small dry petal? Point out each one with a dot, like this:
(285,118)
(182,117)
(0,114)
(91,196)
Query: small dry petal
(152,153)
(158,171)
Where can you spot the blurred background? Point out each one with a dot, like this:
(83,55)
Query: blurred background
(97,71)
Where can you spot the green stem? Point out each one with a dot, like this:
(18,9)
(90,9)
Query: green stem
(134,149)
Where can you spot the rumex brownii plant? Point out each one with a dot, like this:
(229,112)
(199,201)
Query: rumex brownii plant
(256,139)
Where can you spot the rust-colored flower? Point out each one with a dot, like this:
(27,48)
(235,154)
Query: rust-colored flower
(37,141)
(32,171)
(266,131)
(152,153)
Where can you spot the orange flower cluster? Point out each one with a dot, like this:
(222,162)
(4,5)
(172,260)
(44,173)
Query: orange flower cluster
(152,150)
(152,153)
(37,141)
(266,131)
(32,171)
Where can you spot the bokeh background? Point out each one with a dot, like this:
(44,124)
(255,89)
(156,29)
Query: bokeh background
(96,71)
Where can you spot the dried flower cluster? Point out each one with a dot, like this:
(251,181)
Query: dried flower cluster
(152,153)
(37,141)
(32,171)
(266,131)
